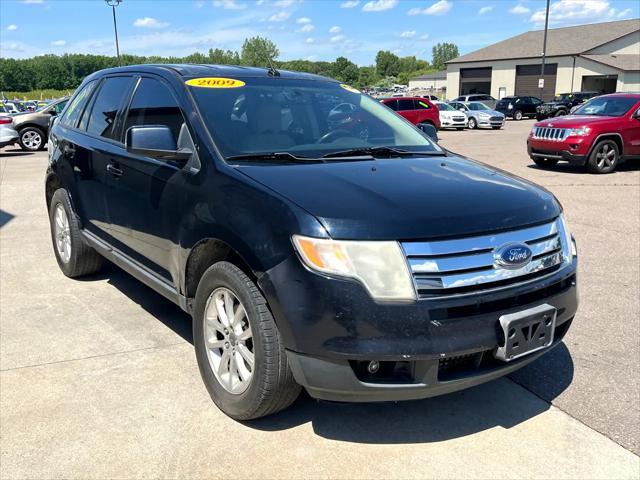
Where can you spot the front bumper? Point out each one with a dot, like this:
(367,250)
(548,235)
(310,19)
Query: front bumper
(332,329)
(575,150)
(490,123)
(450,123)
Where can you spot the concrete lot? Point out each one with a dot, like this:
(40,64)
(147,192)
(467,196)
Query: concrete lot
(98,378)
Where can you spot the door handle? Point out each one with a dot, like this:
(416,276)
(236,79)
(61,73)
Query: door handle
(113,170)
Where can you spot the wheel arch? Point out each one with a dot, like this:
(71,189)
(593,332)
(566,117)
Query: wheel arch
(52,183)
(616,137)
(22,126)
(205,253)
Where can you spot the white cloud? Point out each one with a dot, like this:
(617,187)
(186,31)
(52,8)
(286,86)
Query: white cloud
(441,7)
(12,27)
(59,43)
(350,4)
(408,34)
(335,29)
(32,2)
(519,10)
(486,9)
(309,40)
(229,4)
(578,11)
(337,38)
(284,3)
(199,4)
(379,5)
(307,27)
(304,20)
(149,22)
(424,37)
(280,16)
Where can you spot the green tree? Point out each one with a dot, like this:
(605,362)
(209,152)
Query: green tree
(258,51)
(345,70)
(442,53)
(223,57)
(387,64)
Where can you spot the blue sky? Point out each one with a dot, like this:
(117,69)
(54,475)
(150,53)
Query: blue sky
(309,29)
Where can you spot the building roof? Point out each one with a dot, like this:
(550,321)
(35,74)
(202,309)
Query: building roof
(560,41)
(442,75)
(624,62)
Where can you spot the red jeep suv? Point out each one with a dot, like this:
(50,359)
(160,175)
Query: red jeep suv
(417,110)
(600,134)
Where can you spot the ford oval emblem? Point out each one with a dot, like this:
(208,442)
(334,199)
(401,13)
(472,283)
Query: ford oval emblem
(512,256)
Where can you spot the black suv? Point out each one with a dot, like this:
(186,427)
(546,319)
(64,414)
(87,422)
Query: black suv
(562,104)
(518,106)
(360,267)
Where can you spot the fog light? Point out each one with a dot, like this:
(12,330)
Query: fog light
(373,366)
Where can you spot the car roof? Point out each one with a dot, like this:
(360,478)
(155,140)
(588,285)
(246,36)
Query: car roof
(206,70)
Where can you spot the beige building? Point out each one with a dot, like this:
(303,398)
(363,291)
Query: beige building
(602,57)
(436,81)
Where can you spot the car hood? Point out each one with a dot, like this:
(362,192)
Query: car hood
(449,113)
(574,121)
(410,198)
(492,113)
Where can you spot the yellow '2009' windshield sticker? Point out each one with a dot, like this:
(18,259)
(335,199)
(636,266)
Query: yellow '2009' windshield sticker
(215,82)
(349,88)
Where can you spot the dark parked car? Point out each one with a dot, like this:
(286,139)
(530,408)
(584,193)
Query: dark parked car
(518,106)
(33,127)
(562,104)
(362,269)
(488,100)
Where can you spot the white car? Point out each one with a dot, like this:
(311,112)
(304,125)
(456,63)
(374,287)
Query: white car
(450,117)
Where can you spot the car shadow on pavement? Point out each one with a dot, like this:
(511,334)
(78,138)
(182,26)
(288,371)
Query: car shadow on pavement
(15,152)
(563,167)
(500,403)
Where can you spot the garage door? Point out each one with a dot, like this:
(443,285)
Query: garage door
(527,80)
(475,80)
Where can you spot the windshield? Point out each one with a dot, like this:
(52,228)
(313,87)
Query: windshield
(444,106)
(307,118)
(607,107)
(478,106)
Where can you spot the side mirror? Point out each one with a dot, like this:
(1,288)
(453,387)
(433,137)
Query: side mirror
(155,141)
(52,112)
(636,115)
(429,130)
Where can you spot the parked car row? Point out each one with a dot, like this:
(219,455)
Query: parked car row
(33,127)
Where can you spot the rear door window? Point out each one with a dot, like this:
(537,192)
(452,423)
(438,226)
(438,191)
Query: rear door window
(405,105)
(154,104)
(108,102)
(392,104)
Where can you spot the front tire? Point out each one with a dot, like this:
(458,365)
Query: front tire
(75,258)
(32,139)
(238,347)
(604,157)
(472,124)
(560,113)
(517,115)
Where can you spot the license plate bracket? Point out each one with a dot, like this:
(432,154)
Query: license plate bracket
(526,332)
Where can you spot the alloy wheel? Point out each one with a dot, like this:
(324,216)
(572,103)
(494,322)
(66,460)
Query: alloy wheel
(62,234)
(605,157)
(32,140)
(229,341)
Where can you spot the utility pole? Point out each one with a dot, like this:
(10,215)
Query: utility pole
(113,4)
(544,50)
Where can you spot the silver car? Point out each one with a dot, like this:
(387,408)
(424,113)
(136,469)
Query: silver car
(480,115)
(8,134)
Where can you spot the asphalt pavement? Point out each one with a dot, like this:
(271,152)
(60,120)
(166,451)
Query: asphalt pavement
(98,377)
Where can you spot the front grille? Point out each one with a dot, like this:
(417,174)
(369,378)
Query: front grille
(458,119)
(466,265)
(495,119)
(548,133)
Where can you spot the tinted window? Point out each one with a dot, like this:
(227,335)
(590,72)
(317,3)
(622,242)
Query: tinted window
(607,106)
(536,100)
(59,107)
(405,105)
(153,104)
(392,104)
(70,117)
(105,108)
(420,105)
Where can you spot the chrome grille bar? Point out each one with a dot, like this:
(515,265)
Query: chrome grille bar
(547,133)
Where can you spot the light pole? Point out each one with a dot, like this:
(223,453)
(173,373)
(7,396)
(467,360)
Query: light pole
(113,4)
(544,50)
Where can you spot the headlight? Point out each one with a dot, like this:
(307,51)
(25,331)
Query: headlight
(579,132)
(569,249)
(380,266)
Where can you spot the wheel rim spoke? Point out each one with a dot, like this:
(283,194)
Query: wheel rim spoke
(62,233)
(228,340)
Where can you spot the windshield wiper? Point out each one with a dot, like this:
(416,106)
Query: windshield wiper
(280,156)
(382,152)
